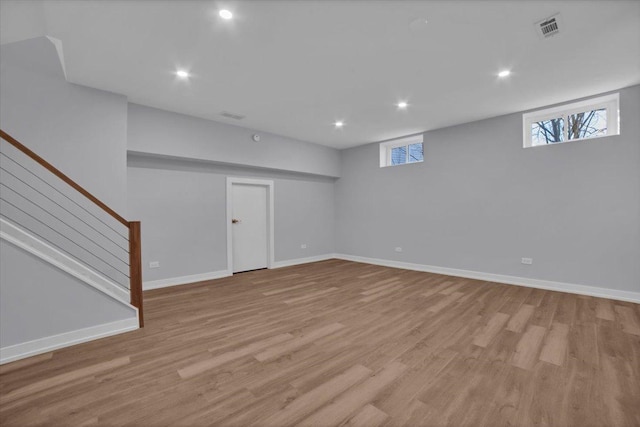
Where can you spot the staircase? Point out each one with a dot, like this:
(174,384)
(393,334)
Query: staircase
(50,216)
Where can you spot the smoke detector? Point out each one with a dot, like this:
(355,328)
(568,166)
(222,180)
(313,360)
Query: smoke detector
(549,27)
(232,115)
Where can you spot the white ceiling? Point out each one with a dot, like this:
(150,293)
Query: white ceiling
(294,67)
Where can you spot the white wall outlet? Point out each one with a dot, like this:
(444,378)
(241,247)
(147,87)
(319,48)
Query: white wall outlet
(303,246)
(154,264)
(398,249)
(527,261)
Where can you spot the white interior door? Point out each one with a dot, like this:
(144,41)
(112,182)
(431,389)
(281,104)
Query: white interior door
(249,227)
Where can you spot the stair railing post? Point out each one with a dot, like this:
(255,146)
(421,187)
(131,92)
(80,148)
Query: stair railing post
(135,268)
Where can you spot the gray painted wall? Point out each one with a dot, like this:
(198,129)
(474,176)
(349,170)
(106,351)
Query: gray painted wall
(164,133)
(182,206)
(481,202)
(38,300)
(81,131)
(21,20)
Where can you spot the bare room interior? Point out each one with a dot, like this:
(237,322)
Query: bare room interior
(319,213)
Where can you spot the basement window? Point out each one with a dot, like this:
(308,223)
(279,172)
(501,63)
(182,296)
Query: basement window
(402,151)
(592,118)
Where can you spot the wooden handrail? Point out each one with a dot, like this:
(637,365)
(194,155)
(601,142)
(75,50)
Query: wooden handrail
(11,140)
(135,251)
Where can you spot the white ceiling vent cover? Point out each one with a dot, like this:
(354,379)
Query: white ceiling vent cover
(549,27)
(232,115)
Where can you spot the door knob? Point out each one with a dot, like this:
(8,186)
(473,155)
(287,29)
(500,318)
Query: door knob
(235,221)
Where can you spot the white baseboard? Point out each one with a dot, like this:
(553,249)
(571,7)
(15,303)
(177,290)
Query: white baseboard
(297,261)
(54,342)
(184,280)
(500,278)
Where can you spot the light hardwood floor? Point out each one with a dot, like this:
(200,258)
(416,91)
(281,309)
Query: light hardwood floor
(342,343)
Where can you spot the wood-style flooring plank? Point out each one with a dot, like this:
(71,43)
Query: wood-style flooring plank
(519,320)
(432,290)
(380,294)
(555,344)
(628,320)
(199,367)
(493,327)
(369,416)
(308,338)
(348,403)
(604,310)
(314,399)
(444,302)
(62,378)
(527,348)
(309,296)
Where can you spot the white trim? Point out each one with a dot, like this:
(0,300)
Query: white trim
(298,261)
(500,278)
(185,280)
(58,45)
(26,241)
(66,339)
(270,219)
(386,147)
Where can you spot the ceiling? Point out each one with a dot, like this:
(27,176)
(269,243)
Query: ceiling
(293,68)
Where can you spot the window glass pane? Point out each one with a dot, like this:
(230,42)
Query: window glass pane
(415,153)
(547,132)
(588,124)
(399,155)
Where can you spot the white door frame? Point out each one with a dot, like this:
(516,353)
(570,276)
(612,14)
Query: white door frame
(270,218)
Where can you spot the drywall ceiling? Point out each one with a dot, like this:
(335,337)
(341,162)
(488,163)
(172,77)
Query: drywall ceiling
(295,67)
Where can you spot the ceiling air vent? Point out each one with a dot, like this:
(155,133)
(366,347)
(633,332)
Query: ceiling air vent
(232,115)
(548,27)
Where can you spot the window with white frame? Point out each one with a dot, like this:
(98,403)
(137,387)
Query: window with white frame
(402,151)
(592,118)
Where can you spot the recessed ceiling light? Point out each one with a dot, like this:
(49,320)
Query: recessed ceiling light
(225,14)
(183,74)
(504,73)
(339,124)
(402,105)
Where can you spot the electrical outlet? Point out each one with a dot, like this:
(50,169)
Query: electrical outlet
(398,249)
(154,264)
(527,261)
(303,246)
